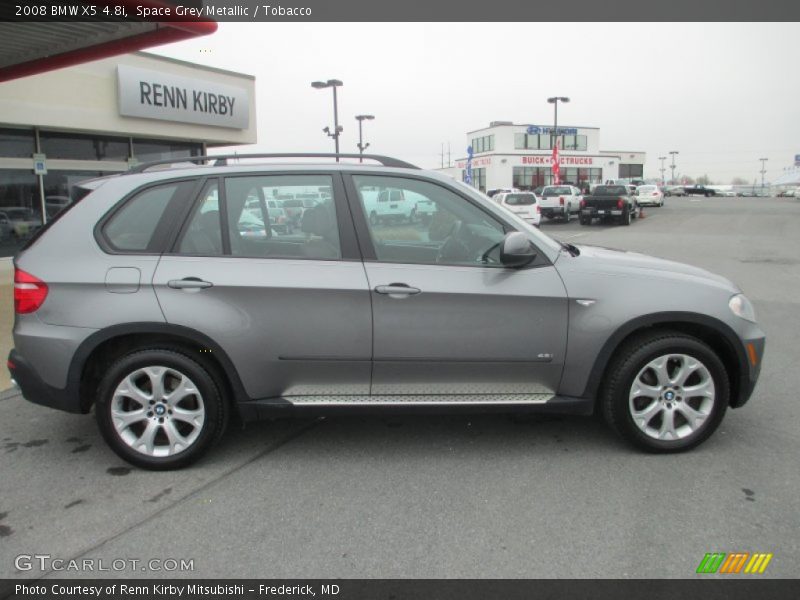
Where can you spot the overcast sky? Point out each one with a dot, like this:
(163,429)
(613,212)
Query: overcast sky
(721,94)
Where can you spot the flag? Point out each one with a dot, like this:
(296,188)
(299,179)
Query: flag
(556,168)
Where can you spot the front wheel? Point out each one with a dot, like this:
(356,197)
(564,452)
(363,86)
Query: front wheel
(665,392)
(159,409)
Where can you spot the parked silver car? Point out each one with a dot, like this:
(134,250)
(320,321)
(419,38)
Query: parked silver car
(145,301)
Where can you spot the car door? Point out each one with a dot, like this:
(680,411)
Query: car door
(290,309)
(448,319)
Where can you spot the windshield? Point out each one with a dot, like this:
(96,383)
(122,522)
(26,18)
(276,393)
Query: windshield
(647,188)
(520,199)
(556,191)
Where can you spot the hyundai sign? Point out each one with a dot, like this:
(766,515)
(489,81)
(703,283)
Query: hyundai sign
(156,95)
(536,130)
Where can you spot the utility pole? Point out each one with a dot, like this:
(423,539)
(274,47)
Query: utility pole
(673,153)
(337,130)
(763,171)
(662,159)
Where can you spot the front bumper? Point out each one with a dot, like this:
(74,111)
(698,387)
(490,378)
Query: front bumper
(35,390)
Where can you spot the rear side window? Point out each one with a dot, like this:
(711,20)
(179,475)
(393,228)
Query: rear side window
(133,228)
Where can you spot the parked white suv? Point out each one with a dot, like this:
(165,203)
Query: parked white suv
(560,201)
(523,204)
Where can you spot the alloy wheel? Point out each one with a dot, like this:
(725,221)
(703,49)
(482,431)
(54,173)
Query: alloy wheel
(157,411)
(672,397)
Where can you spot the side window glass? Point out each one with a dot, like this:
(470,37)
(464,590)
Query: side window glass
(133,227)
(426,223)
(204,233)
(282,216)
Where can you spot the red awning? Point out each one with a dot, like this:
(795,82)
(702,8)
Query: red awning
(29,47)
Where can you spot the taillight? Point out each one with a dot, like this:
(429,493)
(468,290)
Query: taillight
(561,200)
(583,203)
(538,209)
(29,292)
(621,203)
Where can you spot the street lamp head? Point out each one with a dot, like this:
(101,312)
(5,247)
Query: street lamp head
(365,117)
(673,152)
(555,99)
(326,84)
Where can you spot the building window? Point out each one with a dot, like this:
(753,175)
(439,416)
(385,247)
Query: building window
(83,147)
(631,171)
(17,143)
(573,142)
(529,178)
(147,150)
(478,178)
(57,188)
(20,208)
(483,144)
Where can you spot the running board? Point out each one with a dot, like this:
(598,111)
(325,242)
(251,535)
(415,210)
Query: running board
(253,410)
(420,400)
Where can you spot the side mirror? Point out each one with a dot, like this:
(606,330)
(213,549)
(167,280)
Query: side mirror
(516,250)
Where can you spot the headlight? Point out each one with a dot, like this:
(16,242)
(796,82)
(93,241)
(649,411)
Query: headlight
(741,307)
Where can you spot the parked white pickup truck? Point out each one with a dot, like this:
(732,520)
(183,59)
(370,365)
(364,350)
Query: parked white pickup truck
(560,201)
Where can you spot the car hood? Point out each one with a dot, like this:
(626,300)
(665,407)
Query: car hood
(601,259)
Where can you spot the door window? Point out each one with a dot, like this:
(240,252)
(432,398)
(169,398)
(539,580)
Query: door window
(425,223)
(282,216)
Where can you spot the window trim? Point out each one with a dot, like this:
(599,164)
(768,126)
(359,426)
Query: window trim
(365,238)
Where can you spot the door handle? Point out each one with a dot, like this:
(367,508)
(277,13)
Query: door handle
(397,289)
(189,283)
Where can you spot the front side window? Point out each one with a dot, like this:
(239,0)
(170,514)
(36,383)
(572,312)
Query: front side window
(282,216)
(431,225)
(133,227)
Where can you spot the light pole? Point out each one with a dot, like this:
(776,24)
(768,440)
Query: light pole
(361,145)
(662,159)
(763,170)
(673,153)
(554,101)
(331,83)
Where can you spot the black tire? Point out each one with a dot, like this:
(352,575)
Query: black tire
(626,218)
(585,220)
(215,406)
(627,363)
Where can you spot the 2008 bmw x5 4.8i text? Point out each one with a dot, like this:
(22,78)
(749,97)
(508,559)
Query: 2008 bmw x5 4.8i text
(170,299)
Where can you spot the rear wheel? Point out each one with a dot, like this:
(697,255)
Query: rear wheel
(159,409)
(665,392)
(626,217)
(585,220)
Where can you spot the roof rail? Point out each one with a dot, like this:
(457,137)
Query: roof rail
(221,160)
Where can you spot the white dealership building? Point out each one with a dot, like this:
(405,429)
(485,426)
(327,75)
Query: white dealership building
(101,117)
(508,155)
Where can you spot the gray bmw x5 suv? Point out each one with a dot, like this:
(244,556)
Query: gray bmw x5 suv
(172,298)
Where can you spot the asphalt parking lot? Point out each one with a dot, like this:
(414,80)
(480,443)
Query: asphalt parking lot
(465,496)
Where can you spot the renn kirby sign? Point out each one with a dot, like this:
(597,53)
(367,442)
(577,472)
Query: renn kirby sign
(155,95)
